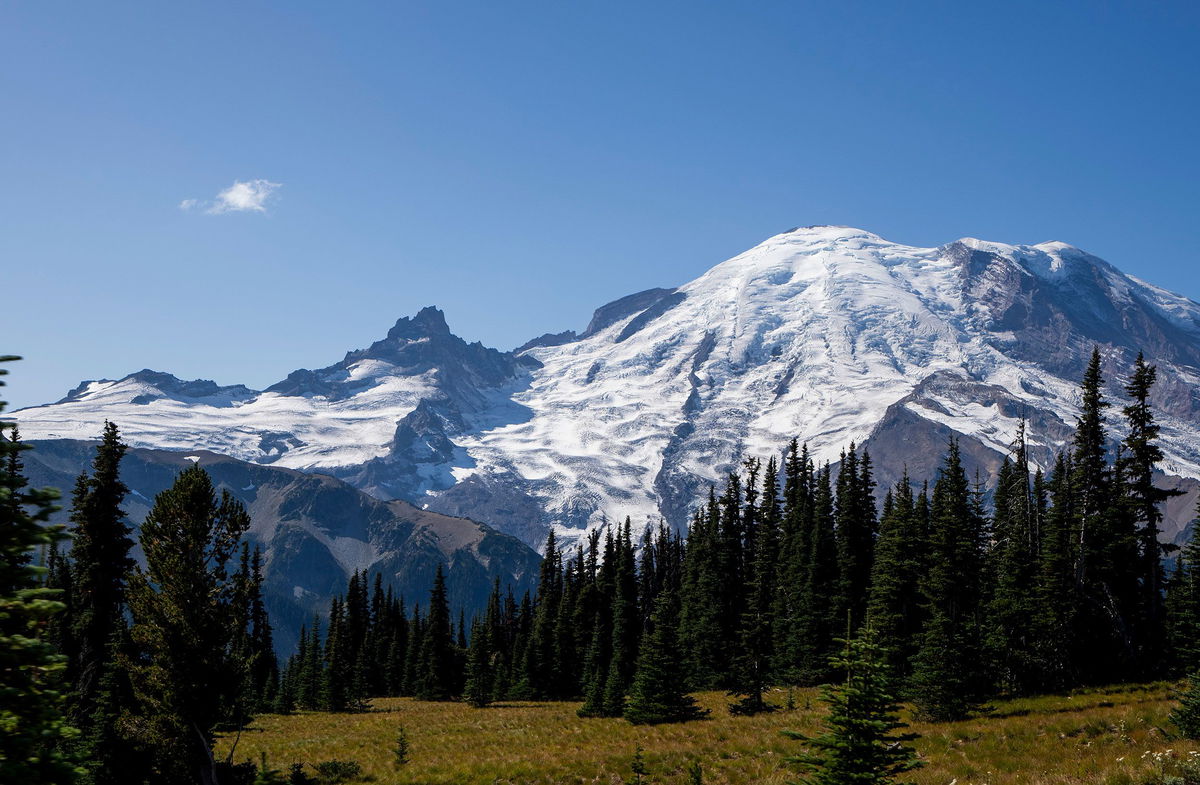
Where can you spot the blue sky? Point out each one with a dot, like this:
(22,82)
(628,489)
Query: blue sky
(519,164)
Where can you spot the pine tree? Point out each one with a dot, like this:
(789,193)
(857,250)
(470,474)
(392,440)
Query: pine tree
(181,605)
(31,708)
(658,692)
(860,744)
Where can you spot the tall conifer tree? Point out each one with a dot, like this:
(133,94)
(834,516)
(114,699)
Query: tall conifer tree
(31,708)
(182,606)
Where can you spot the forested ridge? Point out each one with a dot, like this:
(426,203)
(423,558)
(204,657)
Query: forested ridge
(945,595)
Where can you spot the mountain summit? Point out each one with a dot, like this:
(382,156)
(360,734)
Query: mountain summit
(830,334)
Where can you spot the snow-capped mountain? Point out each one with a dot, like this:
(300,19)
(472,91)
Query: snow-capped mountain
(829,334)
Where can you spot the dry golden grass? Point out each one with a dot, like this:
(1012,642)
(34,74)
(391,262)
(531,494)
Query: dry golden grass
(1093,737)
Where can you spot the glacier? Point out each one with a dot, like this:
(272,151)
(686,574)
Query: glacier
(829,334)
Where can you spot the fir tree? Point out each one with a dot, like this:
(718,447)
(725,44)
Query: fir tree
(860,743)
(1183,606)
(540,658)
(626,626)
(100,566)
(751,670)
(947,676)
(31,708)
(893,605)
(792,569)
(1013,571)
(1055,594)
(436,677)
(479,679)
(336,694)
(182,604)
(1142,456)
(1186,716)
(855,529)
(701,634)
(401,749)
(658,693)
(637,767)
(818,606)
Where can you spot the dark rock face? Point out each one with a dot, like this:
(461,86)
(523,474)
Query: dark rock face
(415,346)
(617,310)
(170,386)
(1054,320)
(316,530)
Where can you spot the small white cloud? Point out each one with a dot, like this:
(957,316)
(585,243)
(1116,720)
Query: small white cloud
(242,197)
(249,196)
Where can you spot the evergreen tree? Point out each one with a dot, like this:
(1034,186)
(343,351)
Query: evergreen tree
(818,605)
(436,676)
(182,606)
(479,679)
(792,568)
(336,693)
(1013,570)
(658,693)
(412,660)
(1142,456)
(626,626)
(1105,559)
(701,634)
(1186,716)
(100,566)
(860,743)
(894,603)
(1183,606)
(263,666)
(855,529)
(751,671)
(1056,594)
(540,658)
(31,708)
(947,677)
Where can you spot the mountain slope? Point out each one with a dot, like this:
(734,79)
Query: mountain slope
(830,334)
(316,530)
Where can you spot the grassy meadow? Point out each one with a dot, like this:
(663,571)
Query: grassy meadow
(1116,736)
